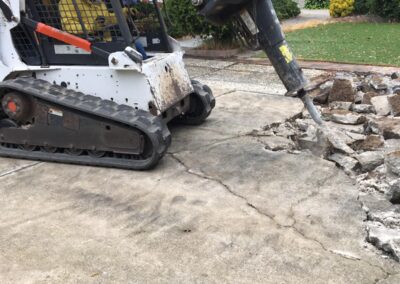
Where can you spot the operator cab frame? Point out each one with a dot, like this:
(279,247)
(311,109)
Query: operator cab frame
(83,18)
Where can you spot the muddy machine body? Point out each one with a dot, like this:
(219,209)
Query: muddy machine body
(74,88)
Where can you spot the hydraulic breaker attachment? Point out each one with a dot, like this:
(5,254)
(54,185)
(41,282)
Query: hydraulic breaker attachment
(261,20)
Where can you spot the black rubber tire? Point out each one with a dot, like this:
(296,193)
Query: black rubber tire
(202,102)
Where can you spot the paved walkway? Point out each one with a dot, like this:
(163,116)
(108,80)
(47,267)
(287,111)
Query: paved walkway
(218,209)
(307,18)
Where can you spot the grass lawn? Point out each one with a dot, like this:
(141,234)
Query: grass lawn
(366,43)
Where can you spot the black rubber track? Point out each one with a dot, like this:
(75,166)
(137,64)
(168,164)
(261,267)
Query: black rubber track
(152,126)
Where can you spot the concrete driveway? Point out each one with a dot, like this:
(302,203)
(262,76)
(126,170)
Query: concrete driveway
(218,209)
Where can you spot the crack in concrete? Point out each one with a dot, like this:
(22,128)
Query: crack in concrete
(19,169)
(226,93)
(292,215)
(271,218)
(385,278)
(215,69)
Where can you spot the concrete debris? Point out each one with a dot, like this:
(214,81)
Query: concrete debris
(320,96)
(336,140)
(392,145)
(278,143)
(285,130)
(347,163)
(318,143)
(394,194)
(389,216)
(370,160)
(389,128)
(392,162)
(340,105)
(395,75)
(366,99)
(344,117)
(354,137)
(342,91)
(378,82)
(394,102)
(370,143)
(359,97)
(363,108)
(361,135)
(381,105)
(384,238)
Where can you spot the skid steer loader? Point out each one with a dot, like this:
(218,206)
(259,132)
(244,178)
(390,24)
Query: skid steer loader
(74,89)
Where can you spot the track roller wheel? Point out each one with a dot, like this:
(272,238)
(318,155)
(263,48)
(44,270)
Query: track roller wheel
(73,152)
(29,148)
(96,154)
(48,149)
(7,123)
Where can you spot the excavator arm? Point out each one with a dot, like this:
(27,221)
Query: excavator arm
(261,20)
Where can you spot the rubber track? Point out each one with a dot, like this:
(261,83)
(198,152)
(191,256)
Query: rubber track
(152,126)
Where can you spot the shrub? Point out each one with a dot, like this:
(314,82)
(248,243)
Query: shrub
(341,8)
(286,9)
(389,9)
(183,19)
(317,4)
(361,7)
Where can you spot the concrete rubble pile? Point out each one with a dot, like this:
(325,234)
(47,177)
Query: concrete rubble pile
(362,115)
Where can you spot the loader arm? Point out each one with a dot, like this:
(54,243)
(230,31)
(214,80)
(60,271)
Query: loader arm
(260,18)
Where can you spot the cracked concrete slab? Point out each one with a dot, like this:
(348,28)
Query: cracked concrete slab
(219,208)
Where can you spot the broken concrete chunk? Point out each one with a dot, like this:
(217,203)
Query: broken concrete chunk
(342,90)
(388,127)
(336,139)
(326,86)
(277,143)
(285,130)
(318,144)
(359,97)
(340,105)
(381,105)
(390,216)
(394,195)
(355,137)
(370,160)
(392,161)
(363,108)
(347,163)
(368,96)
(378,82)
(347,127)
(344,117)
(385,239)
(392,145)
(320,80)
(394,102)
(303,124)
(319,96)
(370,143)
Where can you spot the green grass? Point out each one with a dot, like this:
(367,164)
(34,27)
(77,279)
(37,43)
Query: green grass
(365,43)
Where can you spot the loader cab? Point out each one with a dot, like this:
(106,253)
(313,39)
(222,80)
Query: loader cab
(110,25)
